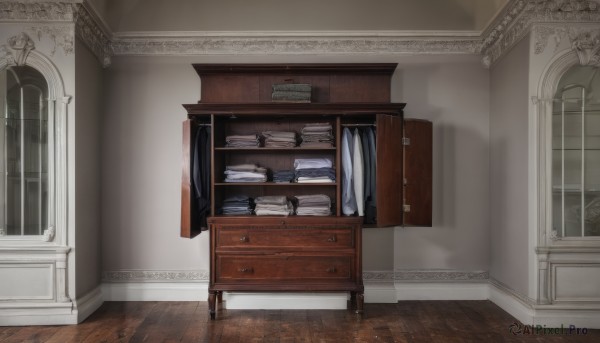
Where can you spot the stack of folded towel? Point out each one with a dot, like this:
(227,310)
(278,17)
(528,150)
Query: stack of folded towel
(317,135)
(313,205)
(273,205)
(291,92)
(245,173)
(241,141)
(279,139)
(237,205)
(309,170)
(283,176)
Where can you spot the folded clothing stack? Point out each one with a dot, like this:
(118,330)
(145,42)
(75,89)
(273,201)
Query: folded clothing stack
(313,205)
(283,176)
(309,170)
(279,139)
(241,141)
(237,205)
(291,92)
(273,205)
(245,173)
(317,135)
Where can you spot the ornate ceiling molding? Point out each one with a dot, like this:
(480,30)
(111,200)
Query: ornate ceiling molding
(36,11)
(267,44)
(514,22)
(519,16)
(92,34)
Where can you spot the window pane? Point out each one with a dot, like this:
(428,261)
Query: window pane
(24,152)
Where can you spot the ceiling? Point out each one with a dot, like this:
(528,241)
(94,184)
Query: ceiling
(295,15)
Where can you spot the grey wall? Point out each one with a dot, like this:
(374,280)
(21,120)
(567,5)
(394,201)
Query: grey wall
(452,92)
(141,161)
(88,111)
(509,168)
(278,15)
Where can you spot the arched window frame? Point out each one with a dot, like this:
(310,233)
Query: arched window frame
(57,102)
(548,87)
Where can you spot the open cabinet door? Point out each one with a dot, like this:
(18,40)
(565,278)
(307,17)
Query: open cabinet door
(417,145)
(389,170)
(190,226)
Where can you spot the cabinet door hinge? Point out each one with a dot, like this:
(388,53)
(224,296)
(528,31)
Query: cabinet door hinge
(406,208)
(405,141)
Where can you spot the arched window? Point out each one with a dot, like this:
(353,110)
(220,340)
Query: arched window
(576,153)
(24,152)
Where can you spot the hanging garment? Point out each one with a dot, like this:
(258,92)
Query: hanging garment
(357,174)
(371,202)
(201,175)
(348,199)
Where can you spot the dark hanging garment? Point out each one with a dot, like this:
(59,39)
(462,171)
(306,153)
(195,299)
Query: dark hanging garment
(201,174)
(371,203)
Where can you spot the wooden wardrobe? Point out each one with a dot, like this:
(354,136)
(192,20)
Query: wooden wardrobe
(300,253)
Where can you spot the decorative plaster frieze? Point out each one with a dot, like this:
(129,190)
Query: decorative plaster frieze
(587,46)
(584,40)
(62,36)
(440,275)
(543,34)
(378,276)
(520,15)
(16,50)
(154,276)
(36,11)
(293,44)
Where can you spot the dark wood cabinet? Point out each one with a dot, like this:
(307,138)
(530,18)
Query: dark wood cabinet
(299,253)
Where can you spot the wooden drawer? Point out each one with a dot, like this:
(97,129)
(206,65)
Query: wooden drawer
(275,268)
(280,237)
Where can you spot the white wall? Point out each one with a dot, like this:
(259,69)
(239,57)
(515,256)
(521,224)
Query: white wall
(452,92)
(88,112)
(277,15)
(509,164)
(141,161)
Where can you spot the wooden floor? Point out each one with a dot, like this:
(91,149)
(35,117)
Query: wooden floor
(408,321)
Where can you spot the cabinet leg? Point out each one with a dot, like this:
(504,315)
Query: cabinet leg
(360,301)
(212,297)
(219,297)
(352,300)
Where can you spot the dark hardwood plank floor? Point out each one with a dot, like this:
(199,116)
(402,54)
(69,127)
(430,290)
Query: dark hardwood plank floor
(407,321)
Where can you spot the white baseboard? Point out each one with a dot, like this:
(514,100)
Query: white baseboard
(376,292)
(441,291)
(89,303)
(33,313)
(155,291)
(380,293)
(511,304)
(286,301)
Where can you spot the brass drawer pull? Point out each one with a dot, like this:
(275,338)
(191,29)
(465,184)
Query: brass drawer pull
(332,239)
(244,239)
(246,270)
(331,270)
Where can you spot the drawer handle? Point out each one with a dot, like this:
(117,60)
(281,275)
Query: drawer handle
(244,239)
(332,239)
(331,270)
(246,270)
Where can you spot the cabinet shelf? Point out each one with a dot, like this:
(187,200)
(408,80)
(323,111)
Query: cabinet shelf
(275,184)
(267,149)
